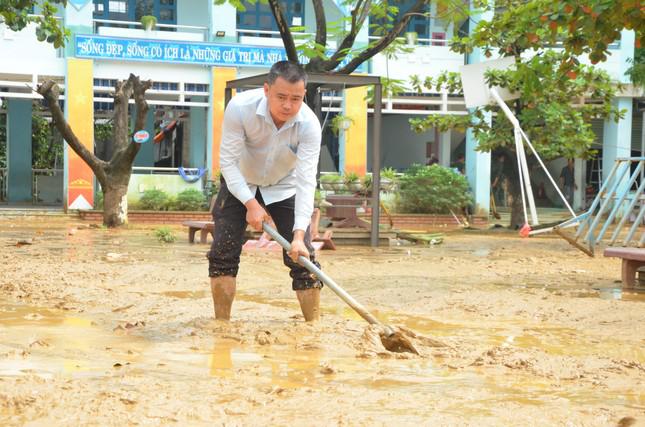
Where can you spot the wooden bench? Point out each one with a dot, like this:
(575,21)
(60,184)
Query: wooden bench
(632,260)
(204,227)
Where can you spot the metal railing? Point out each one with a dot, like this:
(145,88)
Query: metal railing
(266,34)
(160,171)
(138,25)
(419,41)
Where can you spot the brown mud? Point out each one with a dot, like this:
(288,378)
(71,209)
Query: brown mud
(111,327)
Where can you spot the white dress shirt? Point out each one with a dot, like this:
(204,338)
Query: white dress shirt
(280,162)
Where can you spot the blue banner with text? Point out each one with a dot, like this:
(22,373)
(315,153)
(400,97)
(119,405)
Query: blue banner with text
(178,52)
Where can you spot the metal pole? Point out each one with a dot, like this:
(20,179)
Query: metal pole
(376,165)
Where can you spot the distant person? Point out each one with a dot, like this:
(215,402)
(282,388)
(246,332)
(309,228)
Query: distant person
(460,164)
(432,160)
(498,177)
(568,181)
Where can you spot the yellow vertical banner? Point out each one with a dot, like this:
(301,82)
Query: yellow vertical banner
(219,78)
(79,106)
(356,135)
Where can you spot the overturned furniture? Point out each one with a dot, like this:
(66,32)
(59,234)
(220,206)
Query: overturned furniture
(616,212)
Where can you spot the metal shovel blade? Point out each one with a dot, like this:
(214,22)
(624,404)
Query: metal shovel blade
(392,340)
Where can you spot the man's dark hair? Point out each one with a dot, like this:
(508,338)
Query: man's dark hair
(288,70)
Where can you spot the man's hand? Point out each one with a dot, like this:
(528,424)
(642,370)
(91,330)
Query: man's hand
(255,214)
(298,246)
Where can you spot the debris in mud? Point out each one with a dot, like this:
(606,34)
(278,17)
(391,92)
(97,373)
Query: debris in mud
(129,325)
(113,256)
(371,344)
(116,310)
(39,343)
(23,242)
(264,338)
(326,369)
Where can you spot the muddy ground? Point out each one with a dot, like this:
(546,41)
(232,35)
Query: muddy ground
(112,327)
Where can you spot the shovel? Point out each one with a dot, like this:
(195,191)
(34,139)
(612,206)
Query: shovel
(392,340)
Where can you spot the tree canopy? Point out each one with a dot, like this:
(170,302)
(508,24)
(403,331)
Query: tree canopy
(581,27)
(17,14)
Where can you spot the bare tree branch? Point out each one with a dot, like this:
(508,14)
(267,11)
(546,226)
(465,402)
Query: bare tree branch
(122,96)
(380,44)
(141,104)
(321,32)
(285,32)
(51,92)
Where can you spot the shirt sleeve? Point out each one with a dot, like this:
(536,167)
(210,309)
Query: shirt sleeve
(306,168)
(231,147)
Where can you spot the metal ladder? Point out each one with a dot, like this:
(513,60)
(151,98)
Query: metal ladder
(614,202)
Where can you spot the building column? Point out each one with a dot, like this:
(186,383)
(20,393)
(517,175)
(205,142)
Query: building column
(19,150)
(445,147)
(353,141)
(478,173)
(79,110)
(617,137)
(617,140)
(477,162)
(579,173)
(219,77)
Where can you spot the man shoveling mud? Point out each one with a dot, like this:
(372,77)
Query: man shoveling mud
(268,158)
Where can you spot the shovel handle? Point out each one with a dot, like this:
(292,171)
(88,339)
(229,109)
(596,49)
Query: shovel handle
(358,307)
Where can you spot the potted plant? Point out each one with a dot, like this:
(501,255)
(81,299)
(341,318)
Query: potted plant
(340,121)
(353,182)
(366,183)
(388,179)
(149,22)
(330,181)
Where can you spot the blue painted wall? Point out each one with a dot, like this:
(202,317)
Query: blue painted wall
(197,156)
(19,150)
(145,156)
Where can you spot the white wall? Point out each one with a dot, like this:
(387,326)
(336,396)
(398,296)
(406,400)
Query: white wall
(193,12)
(400,147)
(424,61)
(23,44)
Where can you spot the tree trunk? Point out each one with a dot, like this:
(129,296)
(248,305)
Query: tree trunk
(113,175)
(115,205)
(517,210)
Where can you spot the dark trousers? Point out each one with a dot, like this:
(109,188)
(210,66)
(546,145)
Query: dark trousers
(229,215)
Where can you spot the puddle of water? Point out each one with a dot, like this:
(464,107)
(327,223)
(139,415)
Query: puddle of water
(483,252)
(634,294)
(52,341)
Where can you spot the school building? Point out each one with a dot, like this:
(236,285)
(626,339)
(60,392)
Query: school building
(194,48)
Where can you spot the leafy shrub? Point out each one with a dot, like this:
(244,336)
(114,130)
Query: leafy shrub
(165,235)
(432,189)
(190,200)
(154,200)
(98,200)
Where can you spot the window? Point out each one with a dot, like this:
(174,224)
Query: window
(418,24)
(258,16)
(132,10)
